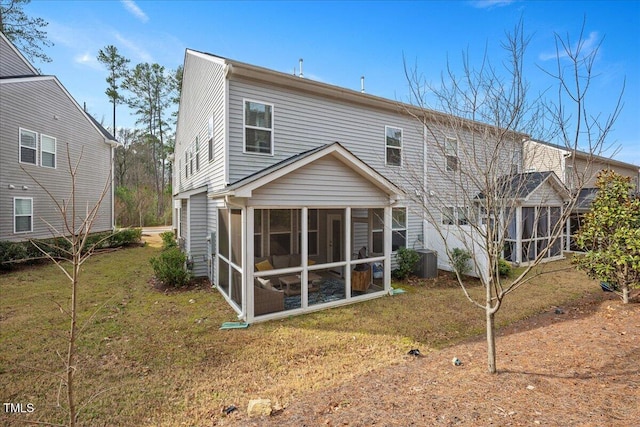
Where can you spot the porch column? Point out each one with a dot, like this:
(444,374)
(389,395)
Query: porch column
(347,251)
(387,248)
(247,266)
(519,234)
(304,258)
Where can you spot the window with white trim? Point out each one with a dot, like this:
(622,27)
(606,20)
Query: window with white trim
(190,161)
(258,127)
(22,214)
(47,151)
(452,215)
(197,150)
(393,144)
(210,138)
(28,147)
(186,163)
(451,154)
(398,228)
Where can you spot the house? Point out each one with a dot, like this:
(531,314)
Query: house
(39,122)
(578,171)
(293,195)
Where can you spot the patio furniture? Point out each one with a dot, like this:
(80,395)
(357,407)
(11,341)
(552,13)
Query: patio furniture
(291,284)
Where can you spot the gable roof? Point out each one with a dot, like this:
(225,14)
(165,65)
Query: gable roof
(245,186)
(522,185)
(14,56)
(238,69)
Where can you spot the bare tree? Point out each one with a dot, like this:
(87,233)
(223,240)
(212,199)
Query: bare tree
(77,222)
(470,189)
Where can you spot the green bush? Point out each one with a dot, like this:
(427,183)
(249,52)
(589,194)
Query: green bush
(407,260)
(10,252)
(504,268)
(460,261)
(169,267)
(168,240)
(125,236)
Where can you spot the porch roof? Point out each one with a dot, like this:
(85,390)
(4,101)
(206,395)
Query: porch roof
(245,186)
(522,185)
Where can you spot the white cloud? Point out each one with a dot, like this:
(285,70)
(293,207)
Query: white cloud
(586,48)
(133,8)
(490,4)
(140,53)
(88,60)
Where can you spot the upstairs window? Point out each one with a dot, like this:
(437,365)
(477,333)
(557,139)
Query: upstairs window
(186,164)
(393,143)
(47,151)
(197,154)
(28,147)
(258,128)
(210,138)
(22,215)
(451,154)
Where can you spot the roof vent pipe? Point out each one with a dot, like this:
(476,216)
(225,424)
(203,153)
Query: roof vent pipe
(362,84)
(301,75)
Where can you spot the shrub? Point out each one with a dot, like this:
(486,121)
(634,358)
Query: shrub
(407,260)
(125,236)
(169,267)
(504,268)
(168,240)
(460,261)
(10,252)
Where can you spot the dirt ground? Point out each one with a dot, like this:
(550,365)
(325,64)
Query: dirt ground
(572,366)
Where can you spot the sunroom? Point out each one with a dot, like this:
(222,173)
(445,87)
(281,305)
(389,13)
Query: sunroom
(314,231)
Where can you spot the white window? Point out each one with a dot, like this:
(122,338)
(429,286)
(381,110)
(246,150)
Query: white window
(451,154)
(210,138)
(393,144)
(191,161)
(258,127)
(28,147)
(197,149)
(186,163)
(47,151)
(399,228)
(22,215)
(569,176)
(455,215)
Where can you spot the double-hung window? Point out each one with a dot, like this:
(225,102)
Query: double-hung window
(210,138)
(47,151)
(455,215)
(28,147)
(393,144)
(451,154)
(258,127)
(22,214)
(197,149)
(399,228)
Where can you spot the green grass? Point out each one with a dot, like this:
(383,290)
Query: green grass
(149,358)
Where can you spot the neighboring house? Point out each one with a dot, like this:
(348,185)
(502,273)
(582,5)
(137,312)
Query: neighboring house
(294,195)
(38,121)
(578,171)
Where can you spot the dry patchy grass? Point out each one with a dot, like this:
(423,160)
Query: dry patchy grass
(150,358)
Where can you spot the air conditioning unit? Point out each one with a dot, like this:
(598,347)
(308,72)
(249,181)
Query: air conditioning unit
(427,267)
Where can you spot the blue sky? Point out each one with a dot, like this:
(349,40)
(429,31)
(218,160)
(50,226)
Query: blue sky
(341,41)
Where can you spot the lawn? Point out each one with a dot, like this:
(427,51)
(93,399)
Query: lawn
(151,358)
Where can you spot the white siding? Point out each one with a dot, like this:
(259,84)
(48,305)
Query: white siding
(327,182)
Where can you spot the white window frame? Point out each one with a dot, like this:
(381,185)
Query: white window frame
(55,150)
(22,215)
(196,144)
(379,212)
(395,229)
(210,129)
(35,149)
(186,163)
(392,147)
(246,126)
(449,153)
(455,215)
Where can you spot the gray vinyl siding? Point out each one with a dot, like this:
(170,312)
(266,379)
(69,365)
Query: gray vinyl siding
(203,97)
(198,233)
(12,64)
(302,121)
(326,182)
(42,106)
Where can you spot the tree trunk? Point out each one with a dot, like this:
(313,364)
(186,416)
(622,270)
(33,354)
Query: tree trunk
(491,340)
(625,294)
(71,354)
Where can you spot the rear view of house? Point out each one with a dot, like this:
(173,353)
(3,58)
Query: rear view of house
(40,123)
